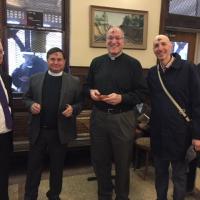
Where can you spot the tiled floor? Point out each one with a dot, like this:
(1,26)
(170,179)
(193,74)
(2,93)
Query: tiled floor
(77,162)
(77,187)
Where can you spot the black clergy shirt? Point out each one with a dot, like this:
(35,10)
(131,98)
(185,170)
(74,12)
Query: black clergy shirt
(123,75)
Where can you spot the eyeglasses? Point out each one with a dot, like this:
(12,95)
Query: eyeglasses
(1,52)
(114,38)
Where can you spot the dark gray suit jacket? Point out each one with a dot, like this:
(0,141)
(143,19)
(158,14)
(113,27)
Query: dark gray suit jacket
(70,94)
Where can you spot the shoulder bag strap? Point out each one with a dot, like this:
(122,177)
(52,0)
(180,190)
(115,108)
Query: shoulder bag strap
(181,111)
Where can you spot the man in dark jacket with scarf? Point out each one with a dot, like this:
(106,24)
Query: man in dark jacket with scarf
(171,134)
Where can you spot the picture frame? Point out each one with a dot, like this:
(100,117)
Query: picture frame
(134,23)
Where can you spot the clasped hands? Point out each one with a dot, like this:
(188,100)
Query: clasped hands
(112,98)
(36,108)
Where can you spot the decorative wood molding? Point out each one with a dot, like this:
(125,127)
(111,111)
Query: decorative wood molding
(180,22)
(163,13)
(188,22)
(66,31)
(82,72)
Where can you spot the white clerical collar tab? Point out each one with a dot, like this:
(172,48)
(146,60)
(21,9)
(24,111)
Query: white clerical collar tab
(55,74)
(114,57)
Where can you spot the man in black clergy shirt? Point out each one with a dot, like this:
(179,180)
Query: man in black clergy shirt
(5,129)
(53,99)
(115,84)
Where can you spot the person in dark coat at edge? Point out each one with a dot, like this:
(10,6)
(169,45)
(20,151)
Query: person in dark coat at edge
(171,135)
(54,101)
(115,84)
(6,146)
(191,190)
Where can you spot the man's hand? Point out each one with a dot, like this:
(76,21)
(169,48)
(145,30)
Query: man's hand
(112,99)
(95,95)
(35,108)
(68,111)
(196,144)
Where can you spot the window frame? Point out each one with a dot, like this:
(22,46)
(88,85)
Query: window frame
(172,21)
(4,33)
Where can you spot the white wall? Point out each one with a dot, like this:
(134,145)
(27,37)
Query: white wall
(81,53)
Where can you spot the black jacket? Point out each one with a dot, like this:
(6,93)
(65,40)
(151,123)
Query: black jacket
(170,133)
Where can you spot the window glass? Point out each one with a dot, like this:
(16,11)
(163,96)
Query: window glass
(185,7)
(33,27)
(27,54)
(37,13)
(181,48)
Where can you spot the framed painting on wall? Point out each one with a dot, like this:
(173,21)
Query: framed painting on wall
(134,23)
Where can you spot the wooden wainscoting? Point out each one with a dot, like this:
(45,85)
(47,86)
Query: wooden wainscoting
(20,134)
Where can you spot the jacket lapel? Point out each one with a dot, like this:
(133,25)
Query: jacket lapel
(7,82)
(64,89)
(40,86)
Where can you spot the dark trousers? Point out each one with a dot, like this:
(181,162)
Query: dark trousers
(112,138)
(48,142)
(5,154)
(191,176)
(179,178)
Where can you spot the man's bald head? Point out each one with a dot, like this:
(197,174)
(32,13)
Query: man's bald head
(162,48)
(159,38)
(115,29)
(115,40)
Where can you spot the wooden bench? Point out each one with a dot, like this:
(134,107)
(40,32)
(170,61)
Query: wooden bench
(20,134)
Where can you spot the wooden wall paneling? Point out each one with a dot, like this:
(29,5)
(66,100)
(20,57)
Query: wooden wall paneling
(180,22)
(1,16)
(21,125)
(66,31)
(163,13)
(20,132)
(81,72)
(186,22)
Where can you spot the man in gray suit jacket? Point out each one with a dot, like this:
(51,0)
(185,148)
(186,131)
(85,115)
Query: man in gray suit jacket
(54,100)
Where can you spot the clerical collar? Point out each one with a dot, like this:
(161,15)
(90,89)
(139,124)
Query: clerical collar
(55,74)
(114,57)
(168,65)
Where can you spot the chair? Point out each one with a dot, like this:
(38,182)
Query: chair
(143,144)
